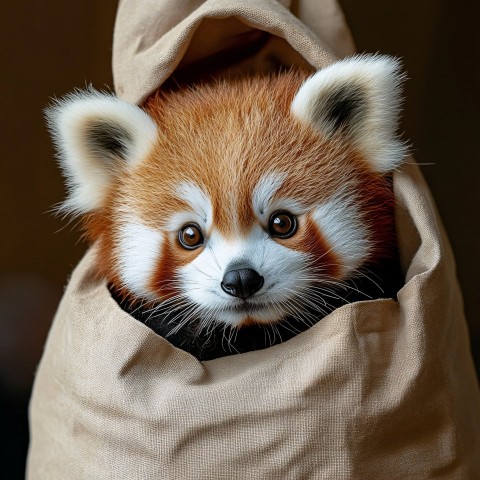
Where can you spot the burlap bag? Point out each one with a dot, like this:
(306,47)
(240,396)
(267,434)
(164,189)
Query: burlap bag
(376,390)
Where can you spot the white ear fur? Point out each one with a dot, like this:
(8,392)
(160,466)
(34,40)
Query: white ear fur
(357,98)
(97,136)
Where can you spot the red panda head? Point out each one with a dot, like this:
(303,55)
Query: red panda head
(239,201)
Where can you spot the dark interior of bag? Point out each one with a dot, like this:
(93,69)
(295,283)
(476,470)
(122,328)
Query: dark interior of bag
(242,51)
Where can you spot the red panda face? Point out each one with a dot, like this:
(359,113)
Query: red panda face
(238,202)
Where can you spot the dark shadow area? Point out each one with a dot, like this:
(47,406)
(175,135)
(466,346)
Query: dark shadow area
(49,49)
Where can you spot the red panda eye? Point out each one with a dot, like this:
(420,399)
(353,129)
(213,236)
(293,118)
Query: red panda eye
(190,236)
(282,224)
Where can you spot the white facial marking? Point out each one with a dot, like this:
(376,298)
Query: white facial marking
(200,204)
(340,222)
(264,191)
(138,251)
(278,265)
(262,198)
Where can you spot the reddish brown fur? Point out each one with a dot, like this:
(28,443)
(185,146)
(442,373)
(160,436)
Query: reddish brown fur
(171,258)
(225,137)
(324,263)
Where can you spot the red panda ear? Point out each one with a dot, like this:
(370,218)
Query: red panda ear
(97,136)
(358,99)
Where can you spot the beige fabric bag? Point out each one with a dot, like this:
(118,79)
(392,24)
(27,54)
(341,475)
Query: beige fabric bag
(376,390)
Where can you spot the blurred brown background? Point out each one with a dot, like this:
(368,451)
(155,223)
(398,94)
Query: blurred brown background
(52,47)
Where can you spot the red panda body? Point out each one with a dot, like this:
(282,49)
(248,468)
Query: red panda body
(242,208)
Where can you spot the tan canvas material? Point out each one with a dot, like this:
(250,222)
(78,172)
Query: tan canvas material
(152,39)
(376,390)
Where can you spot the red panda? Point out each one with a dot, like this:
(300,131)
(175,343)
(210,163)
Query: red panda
(226,211)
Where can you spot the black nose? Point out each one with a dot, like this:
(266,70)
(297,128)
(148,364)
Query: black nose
(242,283)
